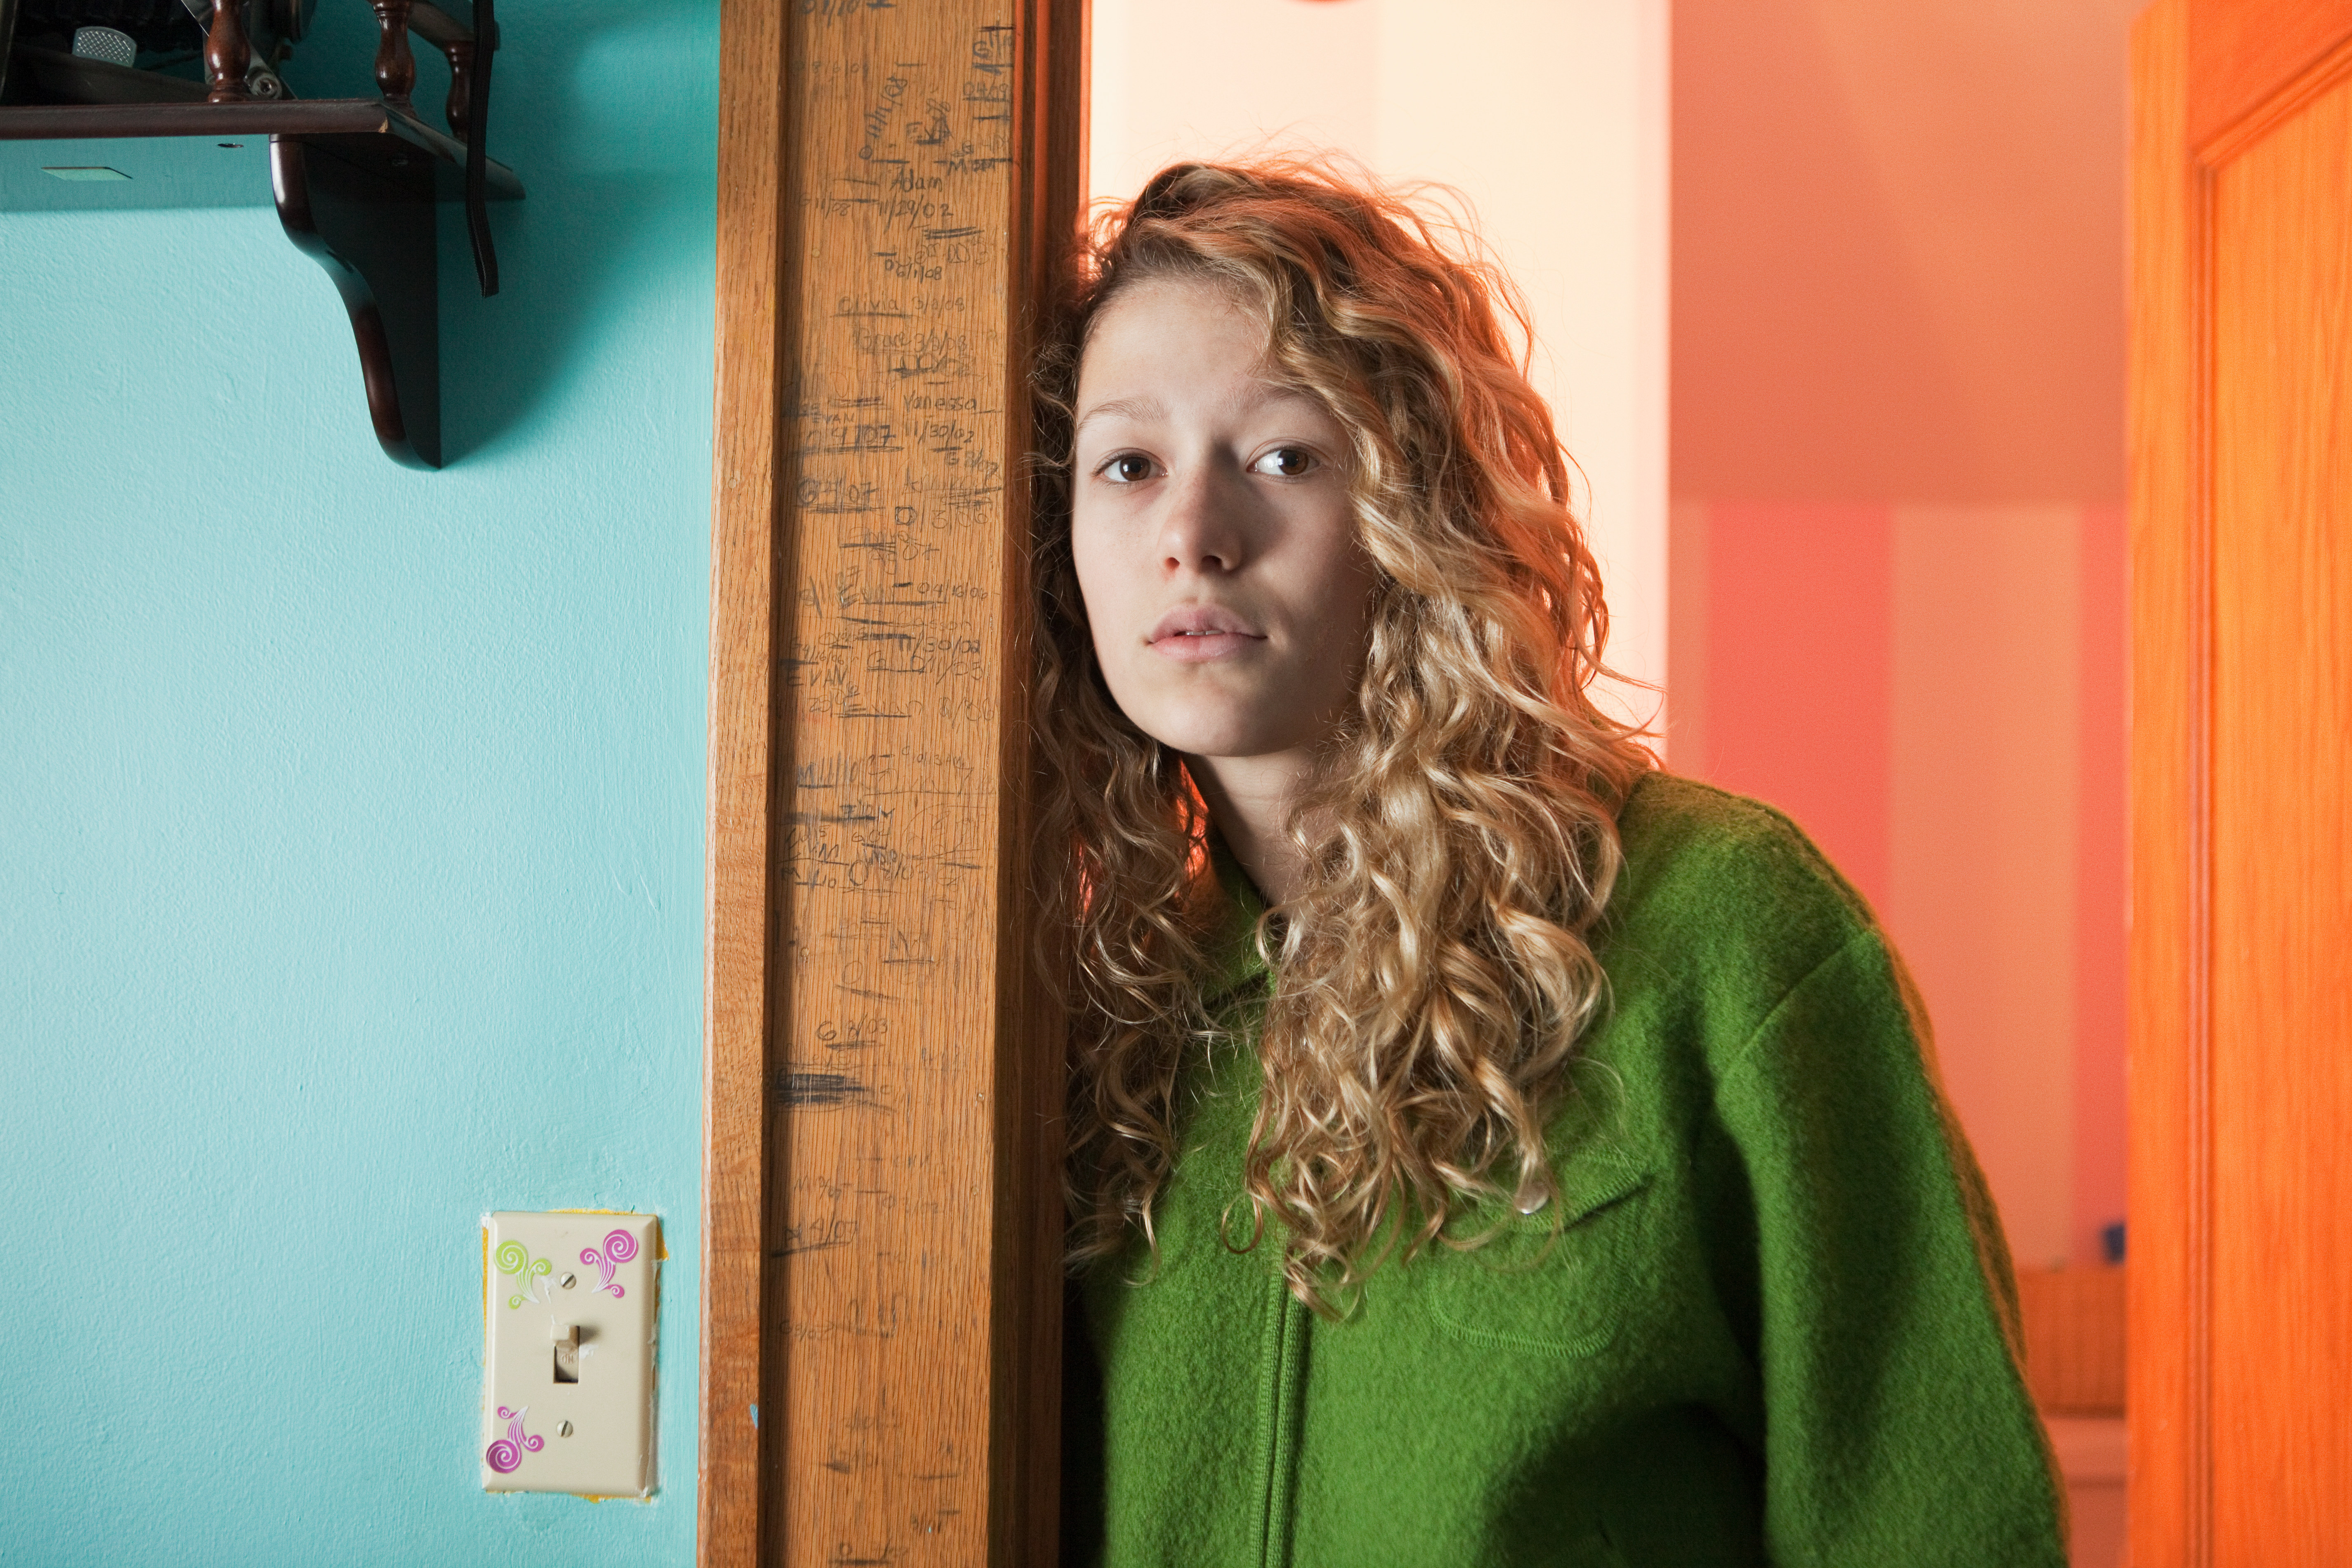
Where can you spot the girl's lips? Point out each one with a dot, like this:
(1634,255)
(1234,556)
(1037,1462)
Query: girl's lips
(1199,632)
(1197,648)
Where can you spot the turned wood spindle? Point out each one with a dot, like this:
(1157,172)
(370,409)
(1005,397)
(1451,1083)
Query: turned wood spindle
(395,67)
(461,55)
(226,55)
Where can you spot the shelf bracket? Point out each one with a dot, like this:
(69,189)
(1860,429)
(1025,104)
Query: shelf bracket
(375,238)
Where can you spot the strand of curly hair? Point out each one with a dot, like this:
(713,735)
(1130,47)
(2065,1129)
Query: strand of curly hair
(1432,978)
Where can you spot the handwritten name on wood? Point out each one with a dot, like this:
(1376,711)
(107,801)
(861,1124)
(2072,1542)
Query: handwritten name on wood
(899,273)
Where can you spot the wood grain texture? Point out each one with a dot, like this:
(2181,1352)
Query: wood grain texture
(914,1209)
(2248,50)
(2241,1304)
(747,396)
(2166,1324)
(2281,278)
(2074,1321)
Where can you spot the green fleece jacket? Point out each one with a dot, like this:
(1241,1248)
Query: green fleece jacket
(1777,1325)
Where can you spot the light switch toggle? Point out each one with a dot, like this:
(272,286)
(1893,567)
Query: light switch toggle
(567,1353)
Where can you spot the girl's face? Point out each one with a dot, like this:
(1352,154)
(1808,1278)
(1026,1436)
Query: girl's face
(1215,543)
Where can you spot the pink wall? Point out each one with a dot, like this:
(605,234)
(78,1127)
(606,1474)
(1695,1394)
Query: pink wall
(1796,605)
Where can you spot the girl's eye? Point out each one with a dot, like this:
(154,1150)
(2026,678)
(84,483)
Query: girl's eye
(1126,468)
(1286,463)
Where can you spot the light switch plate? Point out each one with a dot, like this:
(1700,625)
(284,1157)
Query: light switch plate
(568,1310)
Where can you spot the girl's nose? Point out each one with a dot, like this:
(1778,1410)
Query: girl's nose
(1199,527)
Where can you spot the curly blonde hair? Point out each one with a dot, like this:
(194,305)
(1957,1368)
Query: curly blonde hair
(1433,977)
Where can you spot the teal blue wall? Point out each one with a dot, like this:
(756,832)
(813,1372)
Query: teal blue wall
(350,834)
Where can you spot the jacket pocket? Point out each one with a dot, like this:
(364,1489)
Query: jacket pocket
(1556,1287)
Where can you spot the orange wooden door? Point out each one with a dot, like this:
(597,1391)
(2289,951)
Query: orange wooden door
(2240,1396)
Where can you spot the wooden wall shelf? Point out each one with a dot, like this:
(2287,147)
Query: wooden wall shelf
(357,183)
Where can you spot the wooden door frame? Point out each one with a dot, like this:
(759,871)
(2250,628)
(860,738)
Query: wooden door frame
(750,518)
(740,933)
(2166,1399)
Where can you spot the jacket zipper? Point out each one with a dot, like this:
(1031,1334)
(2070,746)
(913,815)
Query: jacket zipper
(1282,1358)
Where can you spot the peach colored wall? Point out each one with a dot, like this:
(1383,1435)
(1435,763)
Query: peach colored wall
(1982,788)
(1549,115)
(1898,249)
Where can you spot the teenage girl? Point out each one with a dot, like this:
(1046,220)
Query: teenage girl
(1485,1147)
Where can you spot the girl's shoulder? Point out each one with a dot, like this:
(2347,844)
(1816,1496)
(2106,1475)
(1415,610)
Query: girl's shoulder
(1722,899)
(1687,843)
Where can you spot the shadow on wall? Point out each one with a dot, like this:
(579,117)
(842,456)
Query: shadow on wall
(592,240)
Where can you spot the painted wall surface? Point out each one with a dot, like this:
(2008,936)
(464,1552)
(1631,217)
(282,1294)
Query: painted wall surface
(1897,547)
(1983,784)
(350,833)
(1899,250)
(1551,116)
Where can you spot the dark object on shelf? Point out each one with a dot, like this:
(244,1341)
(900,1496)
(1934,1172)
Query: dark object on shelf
(357,183)
(155,27)
(51,65)
(78,78)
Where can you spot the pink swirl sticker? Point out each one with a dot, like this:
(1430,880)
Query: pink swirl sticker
(505,1455)
(619,1247)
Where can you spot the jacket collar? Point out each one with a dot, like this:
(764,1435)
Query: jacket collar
(1234,964)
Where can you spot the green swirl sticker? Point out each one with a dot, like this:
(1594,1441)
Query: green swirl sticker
(515,1258)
